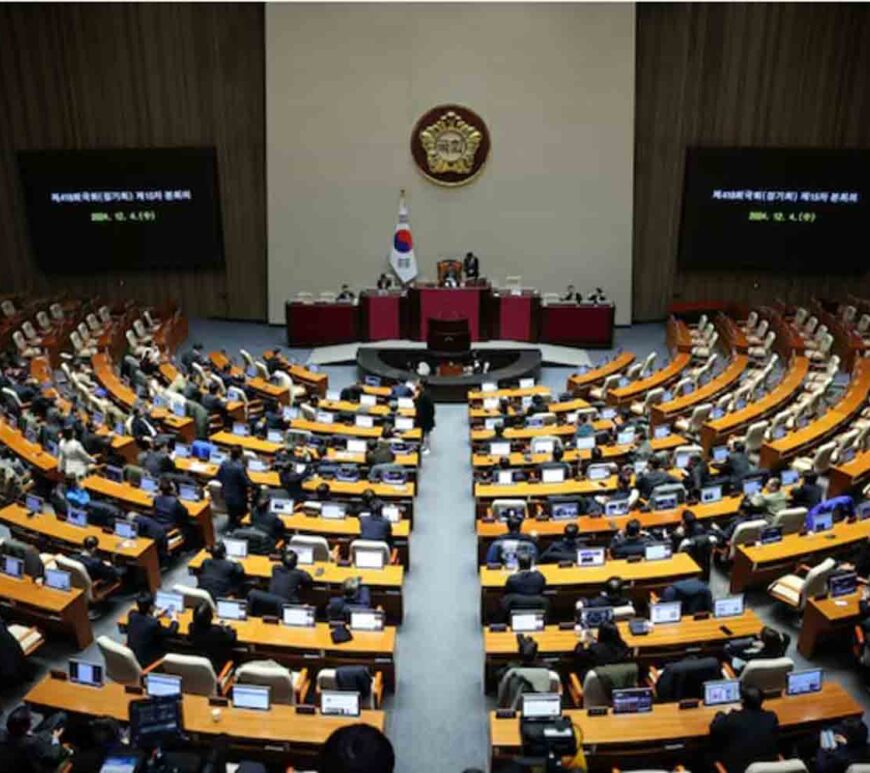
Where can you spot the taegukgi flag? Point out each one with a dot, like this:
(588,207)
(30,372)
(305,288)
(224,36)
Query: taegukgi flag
(402,255)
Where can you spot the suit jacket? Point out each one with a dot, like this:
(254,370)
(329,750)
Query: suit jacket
(96,568)
(236,483)
(622,547)
(685,679)
(376,528)
(168,511)
(147,638)
(742,737)
(693,593)
(649,480)
(13,664)
(288,582)
(220,577)
(215,642)
(141,427)
(737,465)
(526,583)
(266,521)
(157,463)
(212,403)
(425,412)
(339,608)
(806,495)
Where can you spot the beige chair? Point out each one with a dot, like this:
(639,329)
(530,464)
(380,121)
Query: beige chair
(761,352)
(327,297)
(29,638)
(791,520)
(818,357)
(793,590)
(548,299)
(754,439)
(653,397)
(513,282)
(594,691)
(693,423)
(94,324)
(121,663)
(648,365)
(810,326)
(757,336)
(633,371)
(751,322)
(25,349)
(283,380)
(95,590)
(79,347)
(216,497)
(702,323)
(141,333)
(327,680)
(56,311)
(767,674)
(858,767)
(30,333)
(197,674)
(800,316)
(780,421)
(500,505)
(285,684)
(105,315)
(319,546)
(8,308)
(262,370)
(150,322)
(358,545)
(832,367)
(820,462)
(193,596)
(43,321)
(611,382)
(781,766)
(745,533)
(706,349)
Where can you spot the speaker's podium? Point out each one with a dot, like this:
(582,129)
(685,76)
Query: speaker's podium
(448,336)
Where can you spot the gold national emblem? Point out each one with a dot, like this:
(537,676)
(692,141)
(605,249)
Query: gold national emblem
(450,145)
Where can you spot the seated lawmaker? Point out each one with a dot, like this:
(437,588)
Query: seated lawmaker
(496,553)
(525,581)
(745,735)
(345,294)
(145,635)
(385,282)
(850,747)
(218,575)
(471,266)
(215,642)
(375,527)
(565,548)
(613,595)
(97,569)
(808,493)
(354,595)
(264,519)
(631,541)
(605,649)
(288,580)
(556,464)
(572,295)
(771,499)
(653,477)
(25,749)
(168,510)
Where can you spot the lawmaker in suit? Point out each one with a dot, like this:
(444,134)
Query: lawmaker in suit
(526,581)
(145,635)
(375,526)
(215,642)
(288,580)
(471,266)
(28,750)
(354,595)
(219,576)
(744,735)
(236,485)
(655,476)
(97,569)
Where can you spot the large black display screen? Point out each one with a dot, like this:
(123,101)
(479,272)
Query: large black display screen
(122,209)
(776,209)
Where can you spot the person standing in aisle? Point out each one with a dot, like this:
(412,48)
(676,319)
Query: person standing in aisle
(425,418)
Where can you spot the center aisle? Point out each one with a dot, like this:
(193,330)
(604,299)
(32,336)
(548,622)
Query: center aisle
(437,722)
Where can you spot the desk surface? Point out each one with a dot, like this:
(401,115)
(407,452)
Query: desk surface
(793,546)
(335,527)
(135,496)
(25,591)
(665,411)
(660,378)
(356,488)
(32,453)
(567,406)
(281,723)
(679,564)
(525,490)
(479,394)
(592,377)
(844,476)
(667,722)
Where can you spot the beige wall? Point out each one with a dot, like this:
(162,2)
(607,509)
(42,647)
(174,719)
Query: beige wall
(554,83)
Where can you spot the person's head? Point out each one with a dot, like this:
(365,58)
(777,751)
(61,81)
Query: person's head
(219,550)
(357,749)
(197,346)
(105,732)
(350,587)
(202,615)
(770,638)
(322,491)
(289,559)
(213,388)
(840,512)
(504,463)
(751,697)
(236,453)
(469,255)
(570,288)
(90,543)
(582,419)
(613,588)
(71,482)
(514,524)
(596,454)
(689,521)
(67,433)
(524,561)
(571,531)
(855,732)
(739,447)
(632,528)
(774,484)
(558,453)
(810,478)
(654,463)
(640,434)
(528,649)
(422,383)
(608,633)
(145,603)
(18,722)
(344,288)
(166,487)
(368,496)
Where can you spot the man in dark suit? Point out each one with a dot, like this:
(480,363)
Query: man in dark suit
(194,354)
(168,510)
(375,526)
(97,569)
(145,635)
(808,494)
(287,580)
(737,465)
(236,484)
(25,750)
(353,595)
(264,519)
(141,428)
(157,461)
(425,418)
(471,266)
(219,576)
(630,542)
(745,735)
(655,476)
(214,403)
(526,581)
(496,553)
(564,549)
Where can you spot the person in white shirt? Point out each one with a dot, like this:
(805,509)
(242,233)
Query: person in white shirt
(73,459)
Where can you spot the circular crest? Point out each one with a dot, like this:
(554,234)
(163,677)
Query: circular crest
(450,145)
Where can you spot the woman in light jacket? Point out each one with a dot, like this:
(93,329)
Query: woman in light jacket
(73,459)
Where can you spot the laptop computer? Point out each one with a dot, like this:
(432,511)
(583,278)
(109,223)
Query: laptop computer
(231,609)
(803,682)
(730,606)
(298,615)
(721,691)
(591,556)
(634,700)
(666,612)
(540,707)
(84,672)
(339,703)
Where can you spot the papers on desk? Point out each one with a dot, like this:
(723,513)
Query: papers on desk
(198,467)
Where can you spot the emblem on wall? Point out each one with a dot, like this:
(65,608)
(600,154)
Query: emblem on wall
(450,145)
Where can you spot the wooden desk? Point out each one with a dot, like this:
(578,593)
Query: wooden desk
(666,412)
(246,442)
(663,644)
(759,564)
(678,335)
(351,430)
(300,735)
(538,389)
(134,497)
(775,453)
(612,739)
(538,490)
(565,585)
(356,489)
(581,383)
(661,378)
(824,619)
(298,648)
(843,477)
(730,333)
(527,433)
(50,532)
(62,611)
(715,432)
(374,410)
(385,584)
(566,406)
(31,453)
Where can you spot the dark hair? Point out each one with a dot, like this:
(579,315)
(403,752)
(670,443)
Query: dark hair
(514,524)
(751,697)
(236,452)
(212,388)
(524,560)
(18,722)
(608,633)
(290,559)
(322,490)
(165,486)
(90,542)
(144,602)
(67,433)
(504,462)
(739,447)
(202,615)
(105,732)
(810,477)
(655,462)
(357,749)
(350,587)
(632,528)
(854,731)
(613,587)
(596,454)
(558,453)
(571,530)
(219,550)
(527,647)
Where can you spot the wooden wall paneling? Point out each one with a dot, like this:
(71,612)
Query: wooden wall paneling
(731,74)
(133,75)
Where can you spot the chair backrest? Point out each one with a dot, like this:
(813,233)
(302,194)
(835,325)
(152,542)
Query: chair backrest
(822,457)
(282,379)
(810,325)
(262,370)
(699,416)
(216,496)
(746,532)
(196,672)
(370,544)
(319,546)
(20,343)
(751,321)
(8,307)
(42,320)
(634,371)
(648,364)
(93,322)
(654,397)
(767,674)
(500,505)
(105,314)
(56,311)
(800,315)
(193,597)
(83,331)
(596,691)
(691,449)
(702,322)
(246,356)
(29,330)
(762,329)
(816,580)
(859,767)
(825,344)
(755,435)
(785,766)
(327,679)
(304,297)
(121,663)
(149,319)
(863,324)
(80,577)
(611,382)
(139,328)
(791,520)
(269,674)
